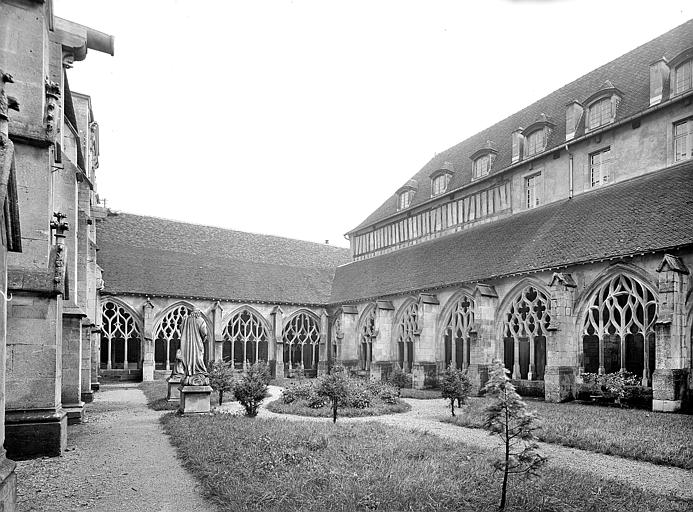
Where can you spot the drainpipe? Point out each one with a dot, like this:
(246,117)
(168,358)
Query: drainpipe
(570,173)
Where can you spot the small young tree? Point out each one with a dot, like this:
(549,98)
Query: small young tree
(221,378)
(455,385)
(335,387)
(507,416)
(252,388)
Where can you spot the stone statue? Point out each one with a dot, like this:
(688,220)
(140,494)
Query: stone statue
(192,346)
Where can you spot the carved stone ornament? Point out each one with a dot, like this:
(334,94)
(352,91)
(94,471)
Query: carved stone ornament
(52,108)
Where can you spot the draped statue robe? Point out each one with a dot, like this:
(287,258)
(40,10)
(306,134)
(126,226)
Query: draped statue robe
(192,340)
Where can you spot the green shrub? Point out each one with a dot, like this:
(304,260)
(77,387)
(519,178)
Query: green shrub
(222,378)
(252,388)
(399,379)
(314,400)
(455,385)
(298,391)
(335,388)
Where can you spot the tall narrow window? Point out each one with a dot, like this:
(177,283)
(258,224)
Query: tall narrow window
(533,191)
(407,330)
(683,81)
(536,142)
(120,338)
(405,199)
(245,340)
(482,165)
(683,145)
(301,339)
(367,334)
(457,334)
(600,113)
(439,184)
(600,164)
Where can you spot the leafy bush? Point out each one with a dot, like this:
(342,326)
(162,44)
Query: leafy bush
(222,378)
(252,388)
(399,379)
(314,400)
(455,385)
(617,386)
(335,388)
(298,391)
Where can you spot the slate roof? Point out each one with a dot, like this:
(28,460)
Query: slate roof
(630,74)
(152,256)
(648,213)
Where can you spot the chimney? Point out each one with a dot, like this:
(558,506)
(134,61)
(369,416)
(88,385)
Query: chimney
(659,75)
(573,114)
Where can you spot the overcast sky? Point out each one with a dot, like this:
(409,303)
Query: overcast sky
(299,118)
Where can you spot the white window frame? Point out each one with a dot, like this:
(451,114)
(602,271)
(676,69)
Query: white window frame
(686,139)
(600,163)
(603,119)
(443,178)
(533,190)
(478,171)
(404,199)
(678,85)
(531,146)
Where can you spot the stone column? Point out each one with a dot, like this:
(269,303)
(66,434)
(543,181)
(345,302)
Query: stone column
(323,347)
(95,347)
(670,378)
(217,340)
(383,352)
(349,343)
(561,349)
(148,365)
(484,343)
(71,394)
(277,350)
(425,346)
(87,394)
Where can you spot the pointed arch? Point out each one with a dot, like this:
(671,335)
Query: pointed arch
(367,333)
(167,331)
(301,337)
(617,317)
(523,318)
(407,328)
(121,335)
(455,327)
(245,336)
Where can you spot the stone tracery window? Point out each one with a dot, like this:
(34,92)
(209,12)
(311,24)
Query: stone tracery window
(120,337)
(367,333)
(301,343)
(167,338)
(457,332)
(245,339)
(408,329)
(524,334)
(618,331)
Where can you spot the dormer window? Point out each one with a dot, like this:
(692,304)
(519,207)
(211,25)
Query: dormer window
(482,160)
(536,143)
(683,77)
(602,106)
(537,136)
(439,182)
(405,195)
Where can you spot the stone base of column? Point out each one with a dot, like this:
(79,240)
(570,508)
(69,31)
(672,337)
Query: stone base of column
(478,376)
(669,389)
(559,383)
(322,368)
(34,433)
(279,370)
(75,413)
(173,393)
(95,386)
(194,399)
(148,371)
(8,485)
(87,396)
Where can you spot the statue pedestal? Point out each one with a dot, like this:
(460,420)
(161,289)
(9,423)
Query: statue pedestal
(173,395)
(194,399)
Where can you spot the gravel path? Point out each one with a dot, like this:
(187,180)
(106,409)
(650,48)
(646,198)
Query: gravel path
(425,415)
(118,460)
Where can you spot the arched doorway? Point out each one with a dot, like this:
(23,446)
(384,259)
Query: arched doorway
(245,339)
(301,343)
(524,334)
(121,338)
(618,329)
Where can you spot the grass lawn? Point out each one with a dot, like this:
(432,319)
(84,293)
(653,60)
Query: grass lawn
(633,433)
(273,465)
(419,394)
(301,409)
(156,396)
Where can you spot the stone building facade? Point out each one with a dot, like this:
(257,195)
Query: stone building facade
(558,240)
(53,312)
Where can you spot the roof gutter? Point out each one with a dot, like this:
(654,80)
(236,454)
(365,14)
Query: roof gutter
(451,194)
